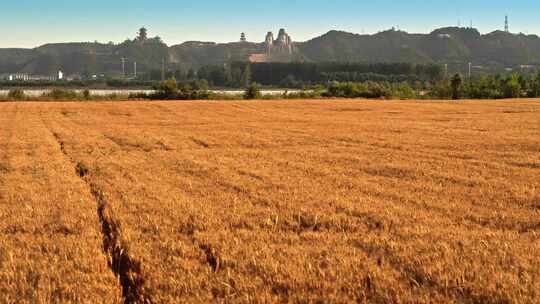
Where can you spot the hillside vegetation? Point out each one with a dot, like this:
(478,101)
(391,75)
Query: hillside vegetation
(445,45)
(451,45)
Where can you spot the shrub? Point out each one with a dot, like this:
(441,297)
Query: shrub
(253,91)
(357,90)
(86,95)
(170,89)
(404,91)
(441,90)
(114,96)
(60,94)
(167,89)
(455,84)
(138,96)
(16,94)
(302,95)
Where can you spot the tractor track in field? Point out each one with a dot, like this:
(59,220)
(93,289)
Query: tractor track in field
(124,266)
(210,254)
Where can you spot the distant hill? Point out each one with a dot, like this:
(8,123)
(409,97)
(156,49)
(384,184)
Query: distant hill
(445,45)
(388,46)
(14,60)
(450,45)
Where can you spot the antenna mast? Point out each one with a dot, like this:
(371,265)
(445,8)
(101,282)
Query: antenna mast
(506,24)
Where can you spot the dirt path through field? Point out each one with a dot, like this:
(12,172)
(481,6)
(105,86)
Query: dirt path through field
(50,245)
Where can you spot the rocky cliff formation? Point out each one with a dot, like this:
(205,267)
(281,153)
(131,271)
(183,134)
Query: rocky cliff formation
(283,45)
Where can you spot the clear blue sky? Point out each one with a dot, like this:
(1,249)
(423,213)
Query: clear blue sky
(29,23)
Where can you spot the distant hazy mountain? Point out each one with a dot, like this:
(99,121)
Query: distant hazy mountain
(446,45)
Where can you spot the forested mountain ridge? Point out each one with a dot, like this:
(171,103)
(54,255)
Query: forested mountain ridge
(451,45)
(445,45)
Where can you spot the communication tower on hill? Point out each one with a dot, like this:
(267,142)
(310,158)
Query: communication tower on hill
(506,24)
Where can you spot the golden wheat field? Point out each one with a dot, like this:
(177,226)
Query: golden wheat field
(332,201)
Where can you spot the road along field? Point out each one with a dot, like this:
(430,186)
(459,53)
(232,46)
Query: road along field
(270,201)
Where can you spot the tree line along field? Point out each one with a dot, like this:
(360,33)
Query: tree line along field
(270,201)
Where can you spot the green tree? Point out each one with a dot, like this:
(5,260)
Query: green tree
(167,89)
(246,76)
(536,85)
(215,74)
(442,89)
(290,82)
(179,74)
(191,74)
(512,87)
(404,91)
(142,35)
(455,84)
(236,77)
